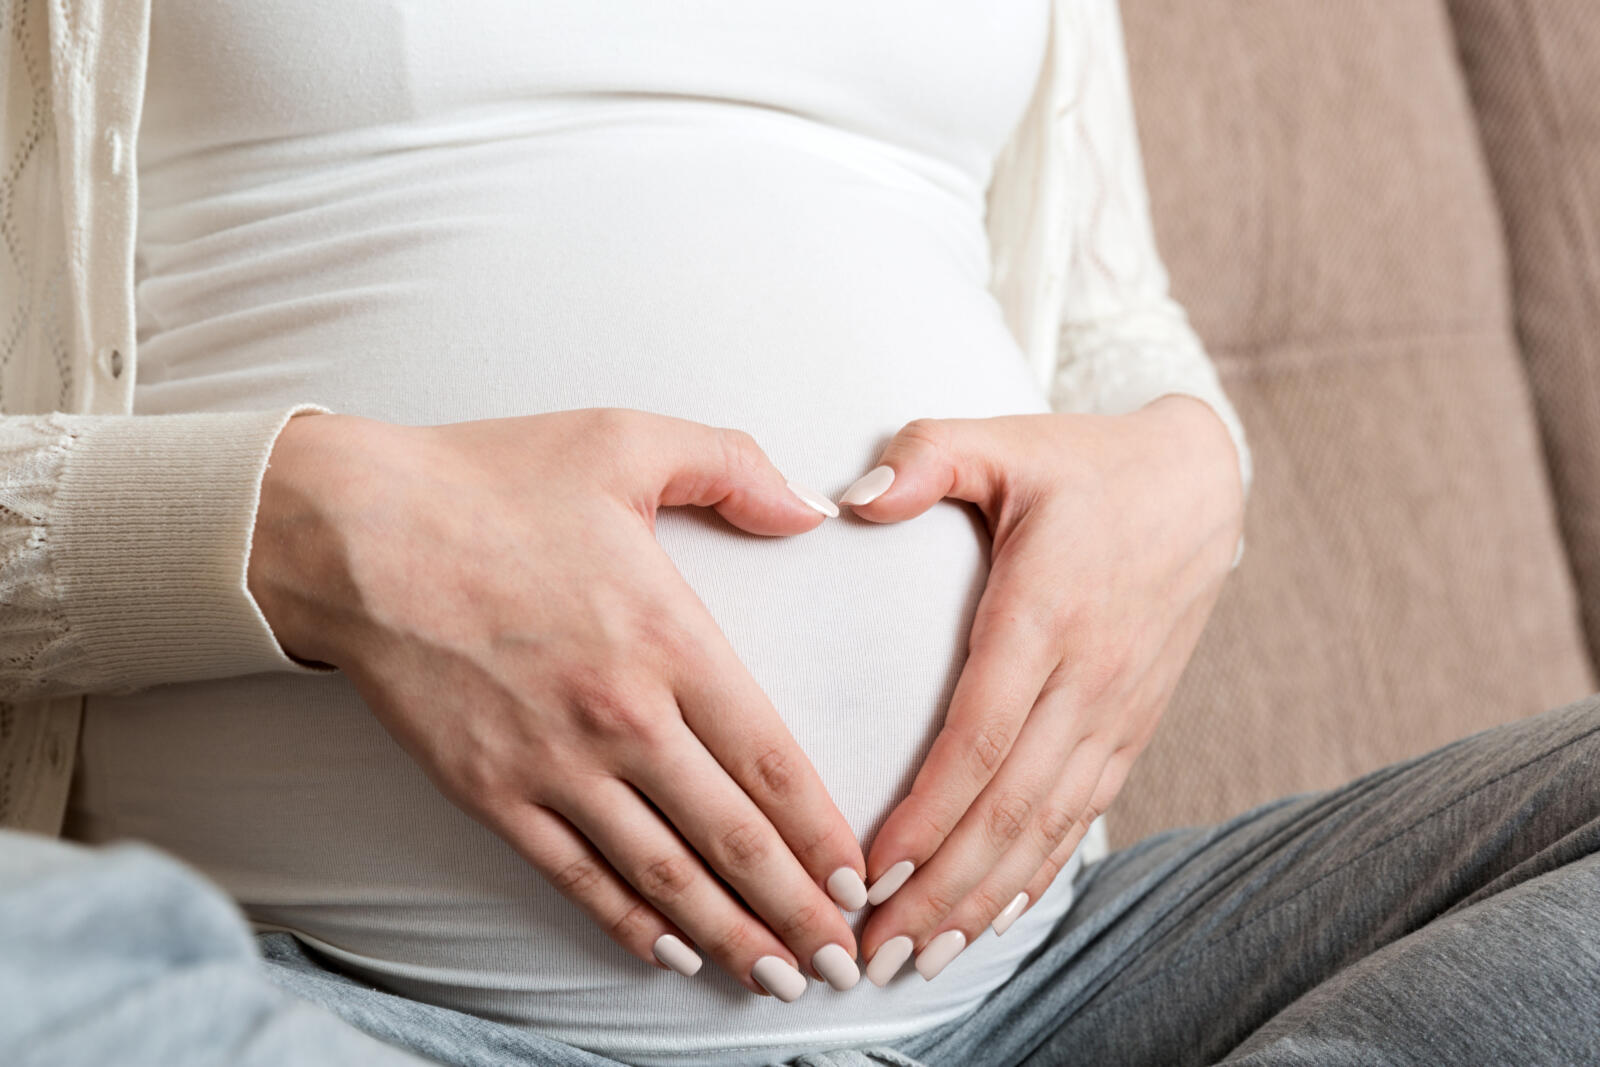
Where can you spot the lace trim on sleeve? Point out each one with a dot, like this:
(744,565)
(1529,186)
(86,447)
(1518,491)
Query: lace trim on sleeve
(35,638)
(1124,342)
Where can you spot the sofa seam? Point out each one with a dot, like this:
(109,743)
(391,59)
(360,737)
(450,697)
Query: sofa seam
(1314,353)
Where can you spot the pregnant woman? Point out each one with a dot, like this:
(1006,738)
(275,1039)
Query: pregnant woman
(475,643)
(543,270)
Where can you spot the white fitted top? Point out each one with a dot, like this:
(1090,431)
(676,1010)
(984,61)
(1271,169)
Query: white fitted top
(767,216)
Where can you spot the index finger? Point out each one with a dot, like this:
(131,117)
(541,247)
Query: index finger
(733,718)
(1009,660)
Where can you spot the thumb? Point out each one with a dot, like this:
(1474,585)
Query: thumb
(927,461)
(726,469)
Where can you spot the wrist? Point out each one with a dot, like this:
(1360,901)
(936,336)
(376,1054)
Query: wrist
(294,564)
(1197,432)
(1197,447)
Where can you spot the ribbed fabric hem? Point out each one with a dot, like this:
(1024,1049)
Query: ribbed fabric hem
(152,526)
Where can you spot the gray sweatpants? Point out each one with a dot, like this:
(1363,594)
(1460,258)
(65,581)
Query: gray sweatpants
(1445,910)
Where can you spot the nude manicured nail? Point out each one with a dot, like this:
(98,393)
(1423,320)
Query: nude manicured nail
(1003,921)
(892,879)
(814,499)
(888,960)
(939,952)
(835,965)
(779,979)
(671,950)
(847,889)
(869,487)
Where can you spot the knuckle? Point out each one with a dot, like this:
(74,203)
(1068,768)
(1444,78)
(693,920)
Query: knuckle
(820,848)
(929,817)
(578,878)
(1007,816)
(666,879)
(482,784)
(1060,629)
(607,709)
(732,942)
(740,452)
(775,772)
(742,848)
(1099,675)
(656,628)
(990,742)
(797,922)
(1017,621)
(1097,678)
(1055,823)
(936,904)
(633,923)
(605,421)
(617,429)
(929,432)
(1068,623)
(992,624)
(1074,625)
(984,902)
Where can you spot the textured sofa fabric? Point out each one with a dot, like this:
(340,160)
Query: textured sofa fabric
(1323,203)
(1533,67)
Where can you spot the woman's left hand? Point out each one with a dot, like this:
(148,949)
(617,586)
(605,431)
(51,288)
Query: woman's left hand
(1112,536)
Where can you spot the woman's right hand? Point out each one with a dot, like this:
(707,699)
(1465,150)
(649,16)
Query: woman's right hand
(495,592)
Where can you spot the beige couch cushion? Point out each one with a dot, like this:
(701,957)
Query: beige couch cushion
(1533,67)
(1322,204)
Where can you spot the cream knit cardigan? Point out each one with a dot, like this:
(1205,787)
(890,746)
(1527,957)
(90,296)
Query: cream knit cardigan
(124,539)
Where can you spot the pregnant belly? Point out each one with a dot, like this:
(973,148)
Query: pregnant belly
(286,791)
(812,302)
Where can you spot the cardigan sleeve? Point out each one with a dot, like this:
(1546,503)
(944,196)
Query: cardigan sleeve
(124,549)
(1124,341)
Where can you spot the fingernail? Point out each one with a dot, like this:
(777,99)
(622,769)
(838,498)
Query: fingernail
(814,500)
(835,964)
(779,979)
(888,960)
(1003,921)
(847,889)
(671,950)
(869,487)
(892,879)
(940,951)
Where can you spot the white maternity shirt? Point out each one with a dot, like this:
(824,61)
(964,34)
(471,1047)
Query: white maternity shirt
(767,216)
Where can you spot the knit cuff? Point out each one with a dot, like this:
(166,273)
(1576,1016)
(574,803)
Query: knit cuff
(152,527)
